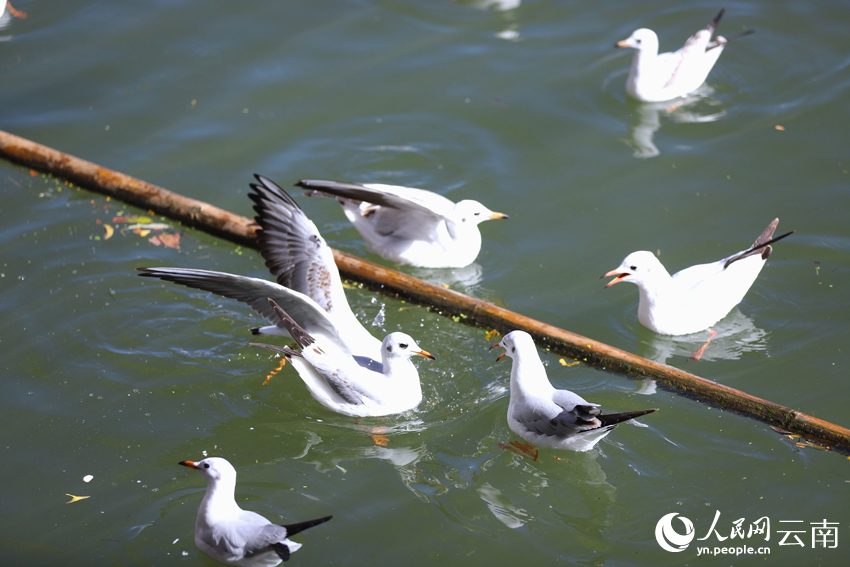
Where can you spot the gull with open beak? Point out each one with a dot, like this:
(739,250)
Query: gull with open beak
(695,298)
(544,416)
(658,77)
(407,225)
(234,536)
(341,383)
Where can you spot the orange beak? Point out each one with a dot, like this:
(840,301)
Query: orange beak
(618,277)
(496,216)
(622,43)
(190,464)
(425,353)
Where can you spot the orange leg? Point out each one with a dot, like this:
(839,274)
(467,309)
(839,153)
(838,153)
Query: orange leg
(276,370)
(522,449)
(698,354)
(16,13)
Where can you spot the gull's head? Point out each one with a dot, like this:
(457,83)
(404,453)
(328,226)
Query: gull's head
(402,345)
(642,39)
(637,268)
(472,213)
(514,341)
(213,468)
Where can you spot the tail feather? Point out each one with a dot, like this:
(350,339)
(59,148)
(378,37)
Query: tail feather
(615,418)
(761,245)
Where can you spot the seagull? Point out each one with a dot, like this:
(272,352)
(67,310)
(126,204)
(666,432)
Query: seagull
(340,382)
(309,289)
(656,78)
(4,4)
(234,536)
(544,416)
(407,225)
(695,298)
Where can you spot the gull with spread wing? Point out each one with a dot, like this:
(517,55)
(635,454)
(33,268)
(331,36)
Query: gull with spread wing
(544,416)
(656,77)
(234,536)
(309,287)
(341,383)
(407,225)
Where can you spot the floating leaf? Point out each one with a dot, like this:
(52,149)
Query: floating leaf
(75,498)
(490,334)
(167,240)
(134,219)
(380,440)
(565,363)
(142,232)
(780,128)
(109,231)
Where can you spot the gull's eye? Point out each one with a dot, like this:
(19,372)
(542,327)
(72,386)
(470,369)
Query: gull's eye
(402,345)
(637,41)
(633,268)
(206,465)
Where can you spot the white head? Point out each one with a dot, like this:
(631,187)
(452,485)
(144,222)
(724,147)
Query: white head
(213,469)
(513,342)
(471,213)
(638,268)
(401,345)
(643,40)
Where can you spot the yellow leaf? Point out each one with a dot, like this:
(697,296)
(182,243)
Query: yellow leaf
(565,363)
(75,498)
(490,334)
(109,231)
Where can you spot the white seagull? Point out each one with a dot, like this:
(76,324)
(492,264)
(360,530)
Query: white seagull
(340,382)
(695,298)
(234,536)
(655,78)
(544,416)
(309,288)
(407,225)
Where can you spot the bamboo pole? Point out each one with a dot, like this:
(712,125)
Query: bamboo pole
(239,229)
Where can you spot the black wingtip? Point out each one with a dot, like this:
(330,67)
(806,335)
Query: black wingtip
(255,331)
(293,529)
(615,418)
(719,15)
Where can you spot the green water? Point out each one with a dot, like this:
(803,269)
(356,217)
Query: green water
(109,375)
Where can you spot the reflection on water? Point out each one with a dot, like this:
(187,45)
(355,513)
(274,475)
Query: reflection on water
(561,486)
(736,335)
(467,277)
(507,15)
(698,106)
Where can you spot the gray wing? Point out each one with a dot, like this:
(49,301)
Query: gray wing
(402,212)
(395,197)
(575,418)
(293,249)
(253,292)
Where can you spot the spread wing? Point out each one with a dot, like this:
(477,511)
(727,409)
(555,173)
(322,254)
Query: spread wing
(293,249)
(400,212)
(255,293)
